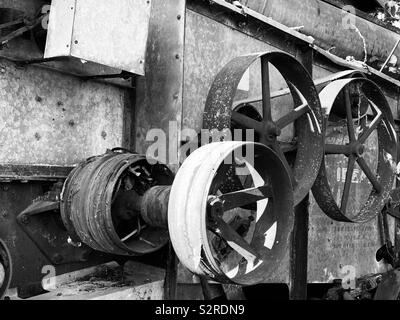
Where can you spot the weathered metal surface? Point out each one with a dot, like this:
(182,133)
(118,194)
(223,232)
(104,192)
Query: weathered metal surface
(5,268)
(329,26)
(29,7)
(218,113)
(247,247)
(100,31)
(298,274)
(55,119)
(375,167)
(159,94)
(12,172)
(154,206)
(94,204)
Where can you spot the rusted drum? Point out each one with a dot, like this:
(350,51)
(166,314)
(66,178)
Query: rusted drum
(302,154)
(357,174)
(100,203)
(236,237)
(5,269)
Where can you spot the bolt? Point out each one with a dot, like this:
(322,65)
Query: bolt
(38,99)
(242,24)
(24,219)
(104,135)
(58,258)
(76,41)
(177,56)
(179,17)
(71,123)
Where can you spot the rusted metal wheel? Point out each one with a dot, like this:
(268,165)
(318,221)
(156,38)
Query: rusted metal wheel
(360,130)
(5,269)
(237,237)
(100,203)
(305,150)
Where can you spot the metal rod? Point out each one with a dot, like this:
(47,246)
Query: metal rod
(390,55)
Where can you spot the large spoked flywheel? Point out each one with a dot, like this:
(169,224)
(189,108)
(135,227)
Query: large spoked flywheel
(302,154)
(5,269)
(360,152)
(236,237)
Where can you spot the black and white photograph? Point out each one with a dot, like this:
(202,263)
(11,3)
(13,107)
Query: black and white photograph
(194,156)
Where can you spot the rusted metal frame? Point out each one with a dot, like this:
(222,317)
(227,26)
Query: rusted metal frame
(258,16)
(250,23)
(15,172)
(357,66)
(298,278)
(171,275)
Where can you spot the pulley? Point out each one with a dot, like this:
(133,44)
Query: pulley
(304,149)
(360,151)
(236,237)
(5,269)
(102,200)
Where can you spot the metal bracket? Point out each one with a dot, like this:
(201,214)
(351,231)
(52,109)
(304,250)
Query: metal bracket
(44,227)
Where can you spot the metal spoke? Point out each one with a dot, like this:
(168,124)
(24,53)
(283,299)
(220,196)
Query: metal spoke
(337,149)
(246,122)
(372,127)
(370,175)
(234,240)
(350,124)
(226,179)
(266,90)
(277,148)
(347,184)
(292,116)
(245,197)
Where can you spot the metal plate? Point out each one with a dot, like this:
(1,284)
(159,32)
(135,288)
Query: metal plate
(55,119)
(101,32)
(159,94)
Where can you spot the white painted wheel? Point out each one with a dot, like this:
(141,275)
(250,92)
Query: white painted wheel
(238,237)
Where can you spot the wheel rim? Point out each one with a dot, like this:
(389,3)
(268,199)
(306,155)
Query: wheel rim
(195,221)
(307,114)
(382,179)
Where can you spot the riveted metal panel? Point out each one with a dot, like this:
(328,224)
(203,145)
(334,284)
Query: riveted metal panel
(55,119)
(108,32)
(159,94)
